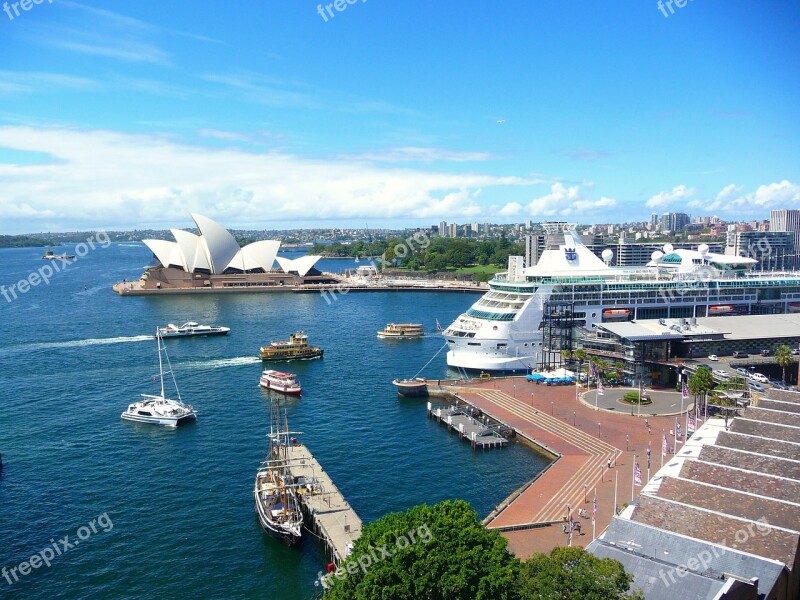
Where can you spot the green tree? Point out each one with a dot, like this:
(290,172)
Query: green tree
(566,355)
(453,556)
(784,358)
(701,382)
(580,356)
(573,574)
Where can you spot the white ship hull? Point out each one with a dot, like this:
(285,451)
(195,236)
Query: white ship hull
(508,329)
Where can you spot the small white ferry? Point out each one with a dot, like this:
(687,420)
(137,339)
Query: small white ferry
(285,383)
(401,331)
(191,328)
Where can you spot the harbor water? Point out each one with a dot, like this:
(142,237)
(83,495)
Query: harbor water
(169,512)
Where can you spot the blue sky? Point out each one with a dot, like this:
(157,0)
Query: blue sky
(263,114)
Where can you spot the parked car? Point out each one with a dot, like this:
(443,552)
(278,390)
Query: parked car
(738,354)
(795,351)
(778,385)
(721,373)
(742,371)
(713,357)
(766,352)
(754,386)
(759,377)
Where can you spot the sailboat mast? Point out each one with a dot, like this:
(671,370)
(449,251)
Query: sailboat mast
(160,366)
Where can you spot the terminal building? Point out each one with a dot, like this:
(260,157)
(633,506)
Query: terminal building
(721,518)
(655,348)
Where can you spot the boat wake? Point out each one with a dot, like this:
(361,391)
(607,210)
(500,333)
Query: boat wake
(73,344)
(220,363)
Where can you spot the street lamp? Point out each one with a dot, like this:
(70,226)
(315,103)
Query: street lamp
(515,390)
(552,405)
(598,431)
(573,418)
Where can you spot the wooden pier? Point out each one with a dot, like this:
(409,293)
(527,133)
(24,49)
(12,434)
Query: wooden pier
(479,434)
(328,515)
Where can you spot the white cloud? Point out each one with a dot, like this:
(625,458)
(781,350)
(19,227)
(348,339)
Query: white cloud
(106,179)
(664,199)
(774,195)
(420,154)
(562,201)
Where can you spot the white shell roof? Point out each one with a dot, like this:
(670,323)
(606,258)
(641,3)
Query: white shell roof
(216,249)
(302,265)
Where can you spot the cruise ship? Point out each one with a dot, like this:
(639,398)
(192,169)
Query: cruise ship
(521,322)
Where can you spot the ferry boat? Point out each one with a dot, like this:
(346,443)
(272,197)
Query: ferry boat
(401,331)
(285,383)
(296,348)
(510,327)
(275,492)
(191,328)
(49,255)
(160,410)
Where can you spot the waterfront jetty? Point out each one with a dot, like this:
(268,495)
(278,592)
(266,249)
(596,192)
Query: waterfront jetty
(328,514)
(466,423)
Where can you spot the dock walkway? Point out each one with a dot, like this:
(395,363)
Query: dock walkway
(328,514)
(479,435)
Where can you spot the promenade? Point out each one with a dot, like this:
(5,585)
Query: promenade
(585,439)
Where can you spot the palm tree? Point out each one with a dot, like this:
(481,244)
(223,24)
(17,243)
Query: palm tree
(566,355)
(580,356)
(783,356)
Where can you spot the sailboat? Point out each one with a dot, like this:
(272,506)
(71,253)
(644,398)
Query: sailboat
(160,410)
(275,491)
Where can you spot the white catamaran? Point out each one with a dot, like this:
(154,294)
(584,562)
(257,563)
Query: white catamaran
(508,327)
(160,410)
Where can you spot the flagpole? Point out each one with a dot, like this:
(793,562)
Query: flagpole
(594,511)
(615,491)
(633,477)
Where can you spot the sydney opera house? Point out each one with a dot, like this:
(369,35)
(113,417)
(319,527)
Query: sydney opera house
(214,261)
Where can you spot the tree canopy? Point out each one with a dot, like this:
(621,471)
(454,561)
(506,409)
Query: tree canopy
(573,574)
(443,552)
(440,552)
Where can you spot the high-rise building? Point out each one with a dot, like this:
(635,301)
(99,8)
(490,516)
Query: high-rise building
(673,221)
(443,228)
(786,219)
(453,232)
(774,250)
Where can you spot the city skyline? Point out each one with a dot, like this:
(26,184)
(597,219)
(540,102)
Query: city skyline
(131,116)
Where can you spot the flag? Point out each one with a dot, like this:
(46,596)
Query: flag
(685,392)
(637,475)
(648,454)
(438,325)
(592,370)
(600,390)
(664,445)
(691,424)
(594,506)
(678,430)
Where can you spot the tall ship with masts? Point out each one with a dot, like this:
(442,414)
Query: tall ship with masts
(512,326)
(275,491)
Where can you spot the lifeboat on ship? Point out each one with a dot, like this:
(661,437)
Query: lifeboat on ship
(616,314)
(725,309)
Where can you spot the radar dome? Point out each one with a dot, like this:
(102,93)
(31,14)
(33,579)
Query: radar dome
(703,249)
(657,255)
(607,255)
(668,248)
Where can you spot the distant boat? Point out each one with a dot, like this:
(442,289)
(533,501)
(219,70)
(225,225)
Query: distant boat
(50,256)
(401,331)
(191,328)
(285,383)
(160,410)
(411,388)
(356,258)
(296,348)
